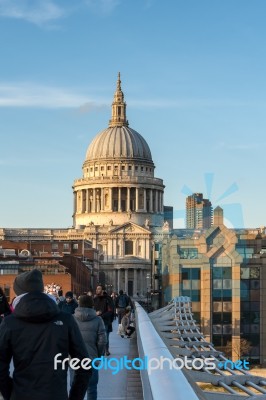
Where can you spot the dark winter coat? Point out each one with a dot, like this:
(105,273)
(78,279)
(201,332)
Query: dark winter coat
(105,306)
(68,307)
(4,307)
(92,330)
(122,301)
(33,335)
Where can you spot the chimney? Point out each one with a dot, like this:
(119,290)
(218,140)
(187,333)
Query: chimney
(218,216)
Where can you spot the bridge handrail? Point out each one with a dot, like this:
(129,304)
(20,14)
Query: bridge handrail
(160,383)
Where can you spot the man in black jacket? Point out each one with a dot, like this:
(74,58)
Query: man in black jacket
(35,335)
(103,306)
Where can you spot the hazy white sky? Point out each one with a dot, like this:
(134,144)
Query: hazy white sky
(193,75)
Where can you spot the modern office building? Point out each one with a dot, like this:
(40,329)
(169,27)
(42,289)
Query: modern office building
(223,271)
(198,212)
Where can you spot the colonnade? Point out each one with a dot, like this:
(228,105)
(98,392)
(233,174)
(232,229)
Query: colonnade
(119,199)
(123,276)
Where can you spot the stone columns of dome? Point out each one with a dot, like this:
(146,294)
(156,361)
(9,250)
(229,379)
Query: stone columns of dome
(128,198)
(82,200)
(156,201)
(126,280)
(75,203)
(151,200)
(98,201)
(79,201)
(144,200)
(111,199)
(135,282)
(137,199)
(102,199)
(93,201)
(162,202)
(87,201)
(119,199)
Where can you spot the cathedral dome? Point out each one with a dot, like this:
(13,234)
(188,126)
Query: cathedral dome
(119,142)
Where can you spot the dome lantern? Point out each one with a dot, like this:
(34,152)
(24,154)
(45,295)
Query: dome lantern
(118,107)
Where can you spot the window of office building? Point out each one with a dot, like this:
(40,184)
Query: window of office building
(245,252)
(190,285)
(250,309)
(221,305)
(187,253)
(222,284)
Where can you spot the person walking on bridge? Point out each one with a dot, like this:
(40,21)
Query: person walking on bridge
(104,308)
(94,335)
(122,301)
(36,334)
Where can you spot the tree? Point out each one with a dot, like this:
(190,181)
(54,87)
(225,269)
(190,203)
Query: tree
(238,348)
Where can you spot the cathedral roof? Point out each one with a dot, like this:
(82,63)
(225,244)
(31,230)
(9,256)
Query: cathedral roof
(119,141)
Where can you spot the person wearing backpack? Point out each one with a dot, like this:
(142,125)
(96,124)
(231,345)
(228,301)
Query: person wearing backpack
(122,301)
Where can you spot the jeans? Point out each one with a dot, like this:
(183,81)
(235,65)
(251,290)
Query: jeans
(92,388)
(121,313)
(107,337)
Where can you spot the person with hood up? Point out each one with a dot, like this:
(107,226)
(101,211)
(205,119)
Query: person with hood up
(33,335)
(94,335)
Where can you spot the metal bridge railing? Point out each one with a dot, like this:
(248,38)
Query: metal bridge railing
(159,384)
(182,337)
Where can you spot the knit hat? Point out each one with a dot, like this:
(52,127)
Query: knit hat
(86,301)
(69,294)
(30,281)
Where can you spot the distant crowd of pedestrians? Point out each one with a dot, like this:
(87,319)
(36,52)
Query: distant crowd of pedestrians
(37,326)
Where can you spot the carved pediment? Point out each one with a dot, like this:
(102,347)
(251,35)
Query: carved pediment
(129,227)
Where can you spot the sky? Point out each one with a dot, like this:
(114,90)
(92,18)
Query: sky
(193,76)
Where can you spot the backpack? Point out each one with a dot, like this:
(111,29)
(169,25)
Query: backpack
(122,301)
